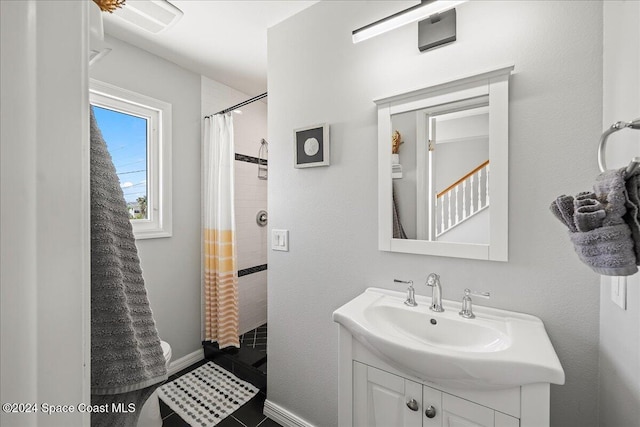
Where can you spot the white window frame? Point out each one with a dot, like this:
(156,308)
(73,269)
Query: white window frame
(158,114)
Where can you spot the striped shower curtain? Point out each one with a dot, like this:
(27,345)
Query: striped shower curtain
(220,272)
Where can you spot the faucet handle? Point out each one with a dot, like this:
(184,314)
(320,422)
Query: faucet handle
(468,292)
(467,309)
(411,293)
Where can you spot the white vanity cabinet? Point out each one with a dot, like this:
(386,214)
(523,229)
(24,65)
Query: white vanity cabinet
(374,392)
(382,399)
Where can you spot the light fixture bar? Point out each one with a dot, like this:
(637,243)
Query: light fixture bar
(421,11)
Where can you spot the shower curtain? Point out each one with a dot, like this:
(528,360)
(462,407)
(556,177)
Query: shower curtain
(220,272)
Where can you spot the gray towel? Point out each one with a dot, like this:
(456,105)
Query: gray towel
(584,197)
(589,214)
(562,208)
(555,210)
(611,192)
(127,362)
(600,226)
(607,250)
(633,209)
(398,229)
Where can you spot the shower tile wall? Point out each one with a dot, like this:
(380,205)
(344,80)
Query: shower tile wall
(250,197)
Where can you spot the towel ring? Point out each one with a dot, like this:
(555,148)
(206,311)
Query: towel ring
(634,124)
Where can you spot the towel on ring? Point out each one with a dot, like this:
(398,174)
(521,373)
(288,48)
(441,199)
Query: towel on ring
(604,226)
(632,216)
(562,208)
(610,190)
(589,213)
(607,250)
(127,361)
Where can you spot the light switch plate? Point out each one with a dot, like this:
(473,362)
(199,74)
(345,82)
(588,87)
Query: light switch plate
(280,240)
(619,291)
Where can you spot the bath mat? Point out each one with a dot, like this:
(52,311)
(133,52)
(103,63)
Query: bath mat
(207,395)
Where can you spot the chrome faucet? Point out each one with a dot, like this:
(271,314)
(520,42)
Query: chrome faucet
(433,280)
(467,309)
(411,292)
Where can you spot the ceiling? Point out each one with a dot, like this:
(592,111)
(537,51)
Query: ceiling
(223,40)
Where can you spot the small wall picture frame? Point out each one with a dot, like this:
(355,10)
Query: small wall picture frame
(311,146)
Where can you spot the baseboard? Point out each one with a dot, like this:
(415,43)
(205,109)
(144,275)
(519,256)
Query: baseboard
(185,361)
(284,417)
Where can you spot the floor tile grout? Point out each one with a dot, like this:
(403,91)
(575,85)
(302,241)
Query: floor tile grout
(238,420)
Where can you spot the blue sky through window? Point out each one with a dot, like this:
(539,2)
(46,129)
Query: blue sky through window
(126,138)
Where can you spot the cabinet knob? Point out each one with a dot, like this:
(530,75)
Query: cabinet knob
(412,404)
(430,412)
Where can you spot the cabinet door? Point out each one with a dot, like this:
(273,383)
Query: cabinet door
(431,407)
(458,412)
(380,399)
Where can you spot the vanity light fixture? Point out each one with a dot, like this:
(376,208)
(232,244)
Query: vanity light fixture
(439,28)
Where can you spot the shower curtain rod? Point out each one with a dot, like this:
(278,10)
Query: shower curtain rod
(242,104)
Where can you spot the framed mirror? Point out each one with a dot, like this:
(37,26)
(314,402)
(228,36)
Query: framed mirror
(443,155)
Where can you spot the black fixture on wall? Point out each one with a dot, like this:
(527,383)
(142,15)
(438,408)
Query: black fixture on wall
(437,30)
(437,23)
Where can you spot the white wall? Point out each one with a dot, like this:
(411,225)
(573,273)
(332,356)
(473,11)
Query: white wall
(474,229)
(170,266)
(250,197)
(317,75)
(44,220)
(619,368)
(456,159)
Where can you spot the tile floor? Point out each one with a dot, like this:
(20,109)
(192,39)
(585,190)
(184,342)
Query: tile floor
(256,338)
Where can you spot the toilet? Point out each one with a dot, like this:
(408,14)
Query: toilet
(150,413)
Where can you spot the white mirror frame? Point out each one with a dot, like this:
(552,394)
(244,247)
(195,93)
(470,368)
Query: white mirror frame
(492,83)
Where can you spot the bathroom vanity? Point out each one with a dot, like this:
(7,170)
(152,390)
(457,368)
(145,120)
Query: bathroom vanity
(408,366)
(381,398)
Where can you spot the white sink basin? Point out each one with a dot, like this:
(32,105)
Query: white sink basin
(448,332)
(497,349)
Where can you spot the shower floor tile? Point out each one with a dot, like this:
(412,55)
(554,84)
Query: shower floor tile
(256,339)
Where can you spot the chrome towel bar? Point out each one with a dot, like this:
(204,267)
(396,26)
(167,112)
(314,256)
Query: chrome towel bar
(635,162)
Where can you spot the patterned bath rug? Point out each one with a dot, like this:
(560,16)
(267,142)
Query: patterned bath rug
(207,395)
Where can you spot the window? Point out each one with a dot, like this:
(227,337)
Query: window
(126,136)
(137,130)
